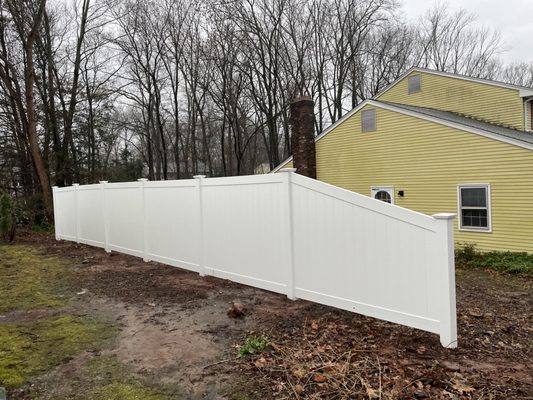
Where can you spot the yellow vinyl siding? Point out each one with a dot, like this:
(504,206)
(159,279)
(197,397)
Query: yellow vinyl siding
(494,104)
(427,161)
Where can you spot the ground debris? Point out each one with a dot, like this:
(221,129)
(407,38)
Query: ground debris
(237,310)
(335,356)
(314,351)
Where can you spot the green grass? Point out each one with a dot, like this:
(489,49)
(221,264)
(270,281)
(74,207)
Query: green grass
(28,349)
(252,345)
(33,281)
(503,261)
(127,391)
(31,351)
(105,378)
(29,280)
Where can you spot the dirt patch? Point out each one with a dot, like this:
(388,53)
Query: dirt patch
(171,340)
(173,327)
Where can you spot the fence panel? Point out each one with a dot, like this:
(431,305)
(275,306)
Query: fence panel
(360,257)
(125,217)
(65,213)
(173,223)
(242,217)
(281,232)
(91,220)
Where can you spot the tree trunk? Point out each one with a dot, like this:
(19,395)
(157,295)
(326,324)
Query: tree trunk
(33,142)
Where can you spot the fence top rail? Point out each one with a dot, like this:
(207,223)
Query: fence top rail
(171,183)
(243,180)
(65,189)
(95,186)
(390,210)
(226,180)
(123,185)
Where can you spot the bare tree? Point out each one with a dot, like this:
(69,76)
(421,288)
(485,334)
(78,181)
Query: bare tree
(172,88)
(453,43)
(520,73)
(27,18)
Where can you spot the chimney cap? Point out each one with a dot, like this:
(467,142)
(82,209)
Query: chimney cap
(297,99)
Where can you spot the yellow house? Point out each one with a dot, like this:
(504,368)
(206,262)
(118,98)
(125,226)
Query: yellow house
(438,142)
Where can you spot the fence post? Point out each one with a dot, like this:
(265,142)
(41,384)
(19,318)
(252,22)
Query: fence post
(104,205)
(201,258)
(76,211)
(143,204)
(290,231)
(446,272)
(56,217)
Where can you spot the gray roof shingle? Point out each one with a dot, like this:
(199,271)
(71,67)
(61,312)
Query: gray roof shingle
(449,116)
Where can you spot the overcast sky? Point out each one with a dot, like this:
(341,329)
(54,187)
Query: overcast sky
(513,18)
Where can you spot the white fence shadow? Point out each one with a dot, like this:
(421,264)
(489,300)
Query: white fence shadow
(281,232)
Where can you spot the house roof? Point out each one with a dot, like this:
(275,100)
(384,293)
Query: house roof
(522,90)
(450,119)
(469,122)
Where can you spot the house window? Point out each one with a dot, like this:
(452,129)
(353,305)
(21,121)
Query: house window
(474,207)
(414,84)
(383,193)
(368,120)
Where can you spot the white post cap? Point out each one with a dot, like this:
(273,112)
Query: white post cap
(444,216)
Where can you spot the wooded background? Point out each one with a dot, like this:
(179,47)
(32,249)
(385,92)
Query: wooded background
(122,89)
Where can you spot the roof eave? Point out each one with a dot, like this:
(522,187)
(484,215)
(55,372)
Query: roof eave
(526,92)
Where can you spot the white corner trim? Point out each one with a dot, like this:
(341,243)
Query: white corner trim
(489,207)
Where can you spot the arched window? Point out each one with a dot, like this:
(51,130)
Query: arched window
(383,196)
(383,193)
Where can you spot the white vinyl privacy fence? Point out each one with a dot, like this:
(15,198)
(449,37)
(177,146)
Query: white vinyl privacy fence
(281,232)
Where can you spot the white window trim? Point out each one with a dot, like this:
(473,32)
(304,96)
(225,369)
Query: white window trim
(528,115)
(378,188)
(489,207)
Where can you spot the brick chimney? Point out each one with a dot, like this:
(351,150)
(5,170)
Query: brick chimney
(302,118)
